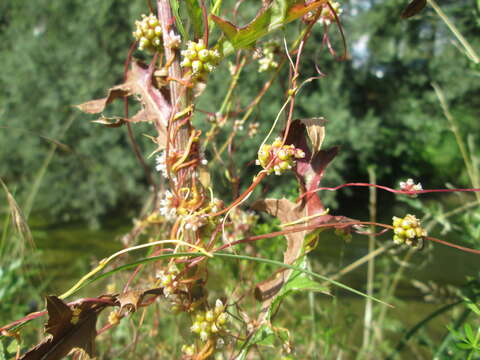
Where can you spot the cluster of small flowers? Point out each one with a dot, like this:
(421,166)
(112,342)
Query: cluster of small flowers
(161,165)
(167,280)
(410,185)
(238,125)
(168,208)
(278,158)
(201,60)
(148,33)
(216,205)
(408,230)
(188,350)
(267,61)
(242,222)
(253,129)
(326,15)
(194,222)
(211,323)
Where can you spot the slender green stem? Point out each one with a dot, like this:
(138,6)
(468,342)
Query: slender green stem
(311,305)
(458,137)
(92,279)
(41,173)
(232,86)
(368,317)
(468,48)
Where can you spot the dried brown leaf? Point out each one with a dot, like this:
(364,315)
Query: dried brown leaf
(98,105)
(70,327)
(112,122)
(129,300)
(316,132)
(155,107)
(413,8)
(132,299)
(286,212)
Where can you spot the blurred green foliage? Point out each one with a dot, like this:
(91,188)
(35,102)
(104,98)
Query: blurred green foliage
(55,55)
(379,103)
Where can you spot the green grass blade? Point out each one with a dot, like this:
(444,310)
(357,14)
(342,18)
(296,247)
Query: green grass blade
(237,257)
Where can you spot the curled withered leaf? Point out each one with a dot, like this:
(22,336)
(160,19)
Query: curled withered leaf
(111,122)
(129,300)
(267,289)
(132,299)
(98,105)
(316,132)
(413,8)
(116,121)
(71,328)
(287,212)
(155,107)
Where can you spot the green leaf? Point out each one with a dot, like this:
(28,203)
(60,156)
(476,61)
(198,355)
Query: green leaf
(195,15)
(270,18)
(263,336)
(299,281)
(469,332)
(175,9)
(464,346)
(472,306)
(12,347)
(2,351)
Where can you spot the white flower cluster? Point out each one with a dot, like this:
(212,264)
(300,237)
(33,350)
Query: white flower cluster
(161,165)
(199,59)
(326,15)
(148,33)
(210,323)
(410,185)
(167,206)
(408,230)
(194,222)
(167,280)
(253,129)
(267,61)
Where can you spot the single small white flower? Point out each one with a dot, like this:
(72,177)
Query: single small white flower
(204,336)
(220,343)
(173,40)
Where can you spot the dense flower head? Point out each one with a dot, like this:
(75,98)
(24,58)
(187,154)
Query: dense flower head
(278,158)
(210,323)
(326,15)
(148,33)
(167,280)
(199,59)
(168,206)
(267,59)
(408,230)
(410,185)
